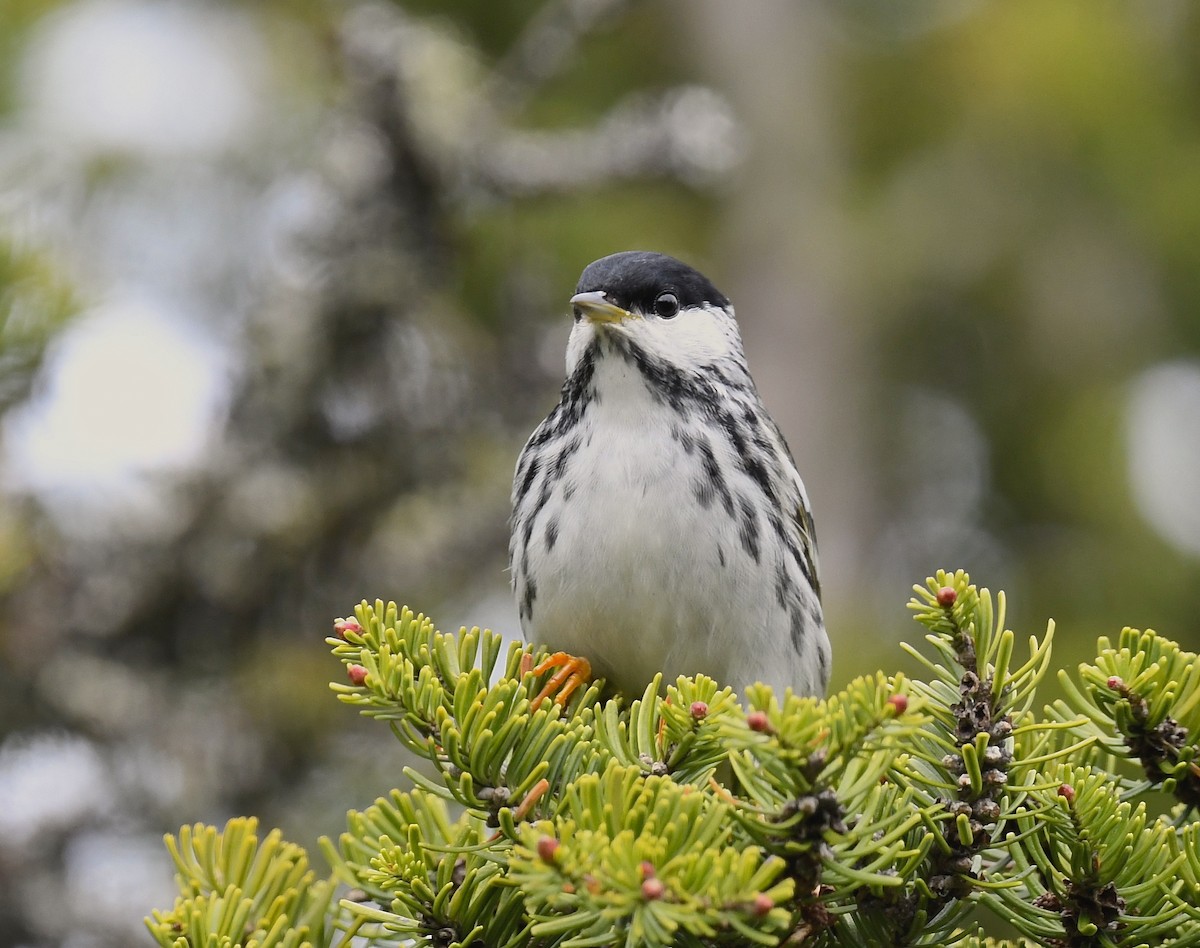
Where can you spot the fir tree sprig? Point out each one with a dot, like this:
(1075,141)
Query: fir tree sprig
(1141,699)
(420,873)
(650,861)
(893,812)
(494,751)
(238,889)
(687,734)
(960,768)
(810,791)
(1097,870)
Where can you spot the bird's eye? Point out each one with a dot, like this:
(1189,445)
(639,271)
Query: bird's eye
(666,305)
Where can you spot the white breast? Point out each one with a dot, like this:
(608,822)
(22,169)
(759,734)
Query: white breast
(641,576)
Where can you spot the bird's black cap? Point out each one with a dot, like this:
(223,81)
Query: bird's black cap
(633,279)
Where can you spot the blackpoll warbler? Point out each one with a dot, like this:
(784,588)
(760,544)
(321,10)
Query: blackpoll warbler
(659,523)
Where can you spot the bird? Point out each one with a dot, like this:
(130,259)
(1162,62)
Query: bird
(659,523)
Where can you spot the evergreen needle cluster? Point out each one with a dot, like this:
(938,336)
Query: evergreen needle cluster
(895,812)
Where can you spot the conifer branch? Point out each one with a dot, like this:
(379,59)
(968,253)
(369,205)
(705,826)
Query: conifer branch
(887,813)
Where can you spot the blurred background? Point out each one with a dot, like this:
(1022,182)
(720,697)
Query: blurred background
(282,292)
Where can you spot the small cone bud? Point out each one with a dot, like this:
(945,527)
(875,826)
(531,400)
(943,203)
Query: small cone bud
(648,871)
(899,702)
(699,710)
(763,903)
(547,847)
(342,626)
(758,721)
(947,596)
(356,673)
(1115,683)
(653,889)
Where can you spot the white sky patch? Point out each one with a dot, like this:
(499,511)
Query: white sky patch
(152,78)
(1162,437)
(47,784)
(129,389)
(112,877)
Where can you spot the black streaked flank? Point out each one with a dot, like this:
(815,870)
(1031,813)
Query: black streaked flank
(685,439)
(729,426)
(748,533)
(526,588)
(815,616)
(560,462)
(531,472)
(757,471)
(781,586)
(528,598)
(799,626)
(807,555)
(712,471)
(807,567)
(776,523)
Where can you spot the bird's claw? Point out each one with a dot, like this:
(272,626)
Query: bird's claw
(573,672)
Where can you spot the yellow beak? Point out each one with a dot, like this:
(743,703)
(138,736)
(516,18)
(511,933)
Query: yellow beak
(598,309)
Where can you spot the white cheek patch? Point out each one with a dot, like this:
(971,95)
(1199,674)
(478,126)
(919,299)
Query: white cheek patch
(695,337)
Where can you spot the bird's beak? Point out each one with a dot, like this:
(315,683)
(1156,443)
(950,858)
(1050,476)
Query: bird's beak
(598,309)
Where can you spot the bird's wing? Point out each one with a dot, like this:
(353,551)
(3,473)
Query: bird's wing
(808,540)
(801,512)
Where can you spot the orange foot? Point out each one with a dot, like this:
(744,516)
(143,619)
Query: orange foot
(573,672)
